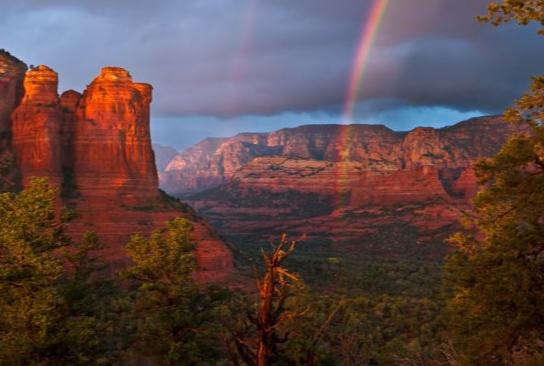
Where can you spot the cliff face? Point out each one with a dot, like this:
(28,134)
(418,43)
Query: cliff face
(112,143)
(12,73)
(363,188)
(450,150)
(36,129)
(96,148)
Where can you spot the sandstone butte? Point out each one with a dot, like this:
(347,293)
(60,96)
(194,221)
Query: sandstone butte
(12,74)
(96,149)
(361,188)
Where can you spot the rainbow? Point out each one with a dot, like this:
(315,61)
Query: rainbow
(249,17)
(364,48)
(347,132)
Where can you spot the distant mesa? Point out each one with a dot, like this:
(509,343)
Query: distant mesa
(360,188)
(95,147)
(450,150)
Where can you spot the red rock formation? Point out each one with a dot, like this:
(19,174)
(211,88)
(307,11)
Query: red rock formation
(96,148)
(363,188)
(12,74)
(115,176)
(36,127)
(112,144)
(450,150)
(69,101)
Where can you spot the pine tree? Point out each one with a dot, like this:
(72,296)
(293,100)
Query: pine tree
(174,318)
(497,272)
(44,317)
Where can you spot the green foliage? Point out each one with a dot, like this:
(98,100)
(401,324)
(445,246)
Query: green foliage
(497,272)
(497,312)
(165,203)
(173,318)
(522,11)
(45,311)
(28,272)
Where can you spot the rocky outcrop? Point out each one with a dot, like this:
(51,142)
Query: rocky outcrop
(450,150)
(362,188)
(96,148)
(112,143)
(36,127)
(12,73)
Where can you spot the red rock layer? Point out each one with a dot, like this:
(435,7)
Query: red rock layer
(96,148)
(362,188)
(36,129)
(12,74)
(111,141)
(69,101)
(450,150)
(116,222)
(115,176)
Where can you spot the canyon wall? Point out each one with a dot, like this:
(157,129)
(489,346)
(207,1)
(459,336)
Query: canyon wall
(12,74)
(361,187)
(450,150)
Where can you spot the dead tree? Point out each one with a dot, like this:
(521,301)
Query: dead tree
(274,290)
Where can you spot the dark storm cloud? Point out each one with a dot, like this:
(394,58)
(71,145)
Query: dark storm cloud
(228,58)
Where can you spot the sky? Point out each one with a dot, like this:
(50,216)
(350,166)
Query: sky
(220,67)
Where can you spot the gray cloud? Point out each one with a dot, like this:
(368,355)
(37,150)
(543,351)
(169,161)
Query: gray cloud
(228,58)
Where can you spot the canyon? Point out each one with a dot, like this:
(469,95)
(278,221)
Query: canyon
(95,148)
(348,188)
(361,189)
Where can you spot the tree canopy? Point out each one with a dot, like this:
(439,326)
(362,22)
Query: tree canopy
(522,11)
(497,272)
(47,313)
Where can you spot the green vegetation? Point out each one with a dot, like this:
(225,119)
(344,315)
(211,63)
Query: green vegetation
(48,314)
(308,204)
(56,308)
(496,315)
(174,322)
(165,203)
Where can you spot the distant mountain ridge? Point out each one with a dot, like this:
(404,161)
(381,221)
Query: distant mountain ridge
(163,155)
(362,188)
(215,160)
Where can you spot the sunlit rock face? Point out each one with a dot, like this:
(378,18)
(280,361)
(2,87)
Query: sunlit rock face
(36,127)
(111,138)
(450,150)
(95,148)
(362,188)
(114,172)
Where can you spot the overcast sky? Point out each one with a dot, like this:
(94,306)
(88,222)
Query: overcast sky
(220,67)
